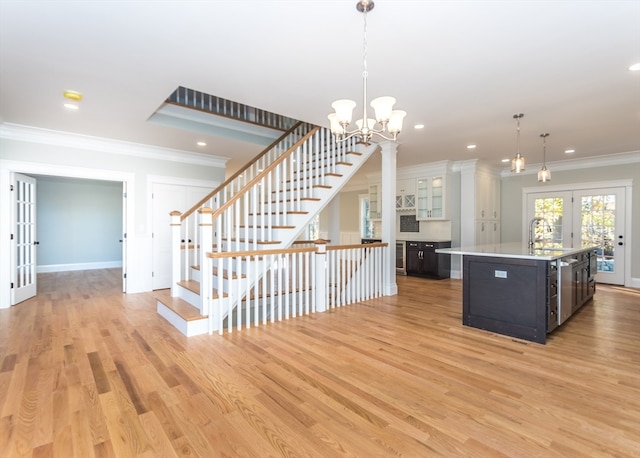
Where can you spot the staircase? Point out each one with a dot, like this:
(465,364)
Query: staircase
(237,260)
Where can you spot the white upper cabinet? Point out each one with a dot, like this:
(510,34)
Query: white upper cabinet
(406,194)
(487,197)
(431,198)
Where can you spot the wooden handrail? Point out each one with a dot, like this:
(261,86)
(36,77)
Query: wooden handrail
(262,174)
(360,245)
(243,254)
(239,172)
(236,254)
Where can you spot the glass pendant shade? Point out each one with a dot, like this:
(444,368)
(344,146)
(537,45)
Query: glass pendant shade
(517,164)
(383,107)
(395,121)
(544,174)
(344,110)
(336,128)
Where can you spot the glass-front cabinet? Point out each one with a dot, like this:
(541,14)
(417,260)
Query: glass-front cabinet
(375,204)
(406,194)
(431,198)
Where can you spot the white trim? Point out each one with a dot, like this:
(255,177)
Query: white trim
(632,157)
(634,283)
(105,145)
(78,266)
(7,167)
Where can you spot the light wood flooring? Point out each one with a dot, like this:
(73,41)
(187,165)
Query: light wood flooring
(88,371)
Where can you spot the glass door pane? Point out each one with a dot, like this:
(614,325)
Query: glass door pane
(554,230)
(601,224)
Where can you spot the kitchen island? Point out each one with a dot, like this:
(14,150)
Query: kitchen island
(526,293)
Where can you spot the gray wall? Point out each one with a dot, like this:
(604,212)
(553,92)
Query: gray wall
(511,200)
(78,221)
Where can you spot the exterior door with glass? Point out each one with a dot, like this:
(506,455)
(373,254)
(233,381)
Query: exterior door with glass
(580,218)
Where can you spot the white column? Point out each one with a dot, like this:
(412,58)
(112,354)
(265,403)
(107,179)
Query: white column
(206,274)
(389,152)
(320,282)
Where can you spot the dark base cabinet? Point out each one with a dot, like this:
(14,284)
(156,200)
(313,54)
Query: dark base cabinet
(423,261)
(523,298)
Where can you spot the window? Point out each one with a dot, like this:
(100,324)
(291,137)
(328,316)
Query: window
(366,225)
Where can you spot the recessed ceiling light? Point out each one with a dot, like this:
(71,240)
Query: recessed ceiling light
(506,160)
(635,67)
(471,146)
(419,126)
(570,151)
(71,106)
(201,144)
(72,95)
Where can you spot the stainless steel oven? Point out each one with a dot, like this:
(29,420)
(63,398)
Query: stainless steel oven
(401,267)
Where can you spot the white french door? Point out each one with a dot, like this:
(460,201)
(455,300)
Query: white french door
(584,217)
(23,247)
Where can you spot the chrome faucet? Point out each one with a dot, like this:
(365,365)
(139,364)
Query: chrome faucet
(534,222)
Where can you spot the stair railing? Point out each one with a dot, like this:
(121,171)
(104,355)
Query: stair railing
(294,282)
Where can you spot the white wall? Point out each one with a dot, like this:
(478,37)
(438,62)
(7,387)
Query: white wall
(32,151)
(79,223)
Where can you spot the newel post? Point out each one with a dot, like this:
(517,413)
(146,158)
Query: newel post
(176,257)
(206,244)
(320,287)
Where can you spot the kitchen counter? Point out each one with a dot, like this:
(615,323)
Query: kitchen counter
(511,290)
(514,250)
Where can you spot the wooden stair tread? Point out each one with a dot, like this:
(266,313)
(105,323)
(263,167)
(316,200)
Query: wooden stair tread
(194,287)
(179,306)
(321,186)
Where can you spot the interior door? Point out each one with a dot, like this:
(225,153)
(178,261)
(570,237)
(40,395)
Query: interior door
(167,198)
(24,244)
(601,223)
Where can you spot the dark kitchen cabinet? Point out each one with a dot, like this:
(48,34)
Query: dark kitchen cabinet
(423,261)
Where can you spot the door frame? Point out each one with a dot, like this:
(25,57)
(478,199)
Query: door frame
(8,168)
(627,184)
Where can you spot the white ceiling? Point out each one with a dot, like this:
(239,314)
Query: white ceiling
(461,68)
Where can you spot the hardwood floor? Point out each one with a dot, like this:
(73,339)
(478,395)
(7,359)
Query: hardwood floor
(88,371)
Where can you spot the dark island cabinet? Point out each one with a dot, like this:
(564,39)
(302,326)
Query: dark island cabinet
(423,261)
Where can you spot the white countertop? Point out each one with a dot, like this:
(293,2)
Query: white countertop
(514,250)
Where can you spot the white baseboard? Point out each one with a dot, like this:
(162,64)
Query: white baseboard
(635,283)
(78,266)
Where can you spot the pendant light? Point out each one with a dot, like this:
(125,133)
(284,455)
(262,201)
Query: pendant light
(517,164)
(544,174)
(387,122)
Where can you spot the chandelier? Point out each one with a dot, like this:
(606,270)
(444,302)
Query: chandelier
(387,123)
(544,174)
(517,164)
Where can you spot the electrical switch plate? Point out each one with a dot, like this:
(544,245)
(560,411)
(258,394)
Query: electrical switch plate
(501,274)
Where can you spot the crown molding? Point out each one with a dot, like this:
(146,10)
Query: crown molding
(104,145)
(631,157)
